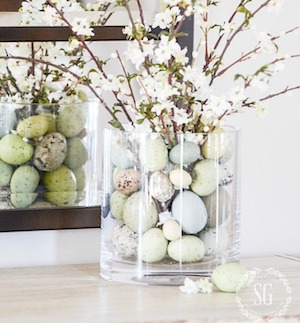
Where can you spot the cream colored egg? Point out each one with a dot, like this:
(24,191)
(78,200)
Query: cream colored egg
(171,230)
(216,144)
(180,178)
(117,202)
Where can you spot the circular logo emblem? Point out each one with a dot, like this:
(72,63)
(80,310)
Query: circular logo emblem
(268,296)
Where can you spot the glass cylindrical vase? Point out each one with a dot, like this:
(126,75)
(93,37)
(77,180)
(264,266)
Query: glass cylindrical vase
(170,205)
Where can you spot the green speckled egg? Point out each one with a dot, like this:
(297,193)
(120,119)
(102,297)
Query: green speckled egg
(61,198)
(154,245)
(71,120)
(51,122)
(206,177)
(80,178)
(14,150)
(32,127)
(6,172)
(187,249)
(134,218)
(77,154)
(60,180)
(229,277)
(117,202)
(25,179)
(22,200)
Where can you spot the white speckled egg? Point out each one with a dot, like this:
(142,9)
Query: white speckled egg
(189,210)
(215,240)
(218,206)
(206,177)
(228,277)
(125,241)
(153,154)
(127,181)
(171,230)
(187,249)
(154,245)
(184,153)
(117,202)
(160,187)
(119,157)
(180,178)
(216,144)
(140,212)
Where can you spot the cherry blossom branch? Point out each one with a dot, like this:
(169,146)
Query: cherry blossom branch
(286,90)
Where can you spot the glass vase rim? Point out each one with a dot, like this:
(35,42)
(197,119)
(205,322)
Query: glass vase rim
(49,104)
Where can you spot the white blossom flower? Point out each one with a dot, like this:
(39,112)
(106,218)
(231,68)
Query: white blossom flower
(261,109)
(81,27)
(260,82)
(202,285)
(266,43)
(166,49)
(275,5)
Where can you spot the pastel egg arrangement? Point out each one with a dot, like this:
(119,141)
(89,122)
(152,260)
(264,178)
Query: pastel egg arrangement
(171,196)
(42,154)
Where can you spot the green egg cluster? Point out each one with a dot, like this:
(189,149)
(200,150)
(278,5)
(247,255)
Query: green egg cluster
(43,156)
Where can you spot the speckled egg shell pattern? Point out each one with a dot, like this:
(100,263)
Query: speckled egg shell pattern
(6,172)
(154,245)
(230,276)
(153,154)
(125,241)
(215,240)
(189,210)
(32,127)
(117,202)
(50,152)
(127,181)
(140,212)
(14,150)
(22,200)
(206,176)
(185,153)
(60,180)
(25,179)
(61,198)
(187,249)
(77,154)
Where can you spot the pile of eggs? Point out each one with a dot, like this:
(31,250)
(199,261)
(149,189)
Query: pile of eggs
(170,203)
(42,153)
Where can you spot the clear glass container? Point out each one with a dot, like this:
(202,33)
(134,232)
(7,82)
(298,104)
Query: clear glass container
(48,155)
(170,205)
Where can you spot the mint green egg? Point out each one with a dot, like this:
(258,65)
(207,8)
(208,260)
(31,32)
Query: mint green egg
(61,198)
(60,180)
(25,179)
(80,178)
(22,200)
(77,154)
(14,150)
(32,127)
(71,120)
(6,172)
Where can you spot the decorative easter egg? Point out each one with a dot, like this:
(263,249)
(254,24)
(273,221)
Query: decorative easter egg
(61,198)
(171,230)
(206,177)
(117,202)
(32,127)
(8,119)
(25,179)
(50,152)
(71,120)
(60,180)
(160,187)
(127,181)
(22,200)
(215,240)
(6,172)
(154,245)
(230,276)
(215,145)
(125,241)
(185,153)
(187,249)
(153,154)
(51,122)
(140,212)
(189,210)
(14,150)
(119,157)
(77,154)
(218,206)
(180,178)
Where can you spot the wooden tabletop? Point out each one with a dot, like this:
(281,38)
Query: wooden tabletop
(77,293)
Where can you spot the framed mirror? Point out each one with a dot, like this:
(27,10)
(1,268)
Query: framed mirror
(27,219)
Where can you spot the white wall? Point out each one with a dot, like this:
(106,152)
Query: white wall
(270,149)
